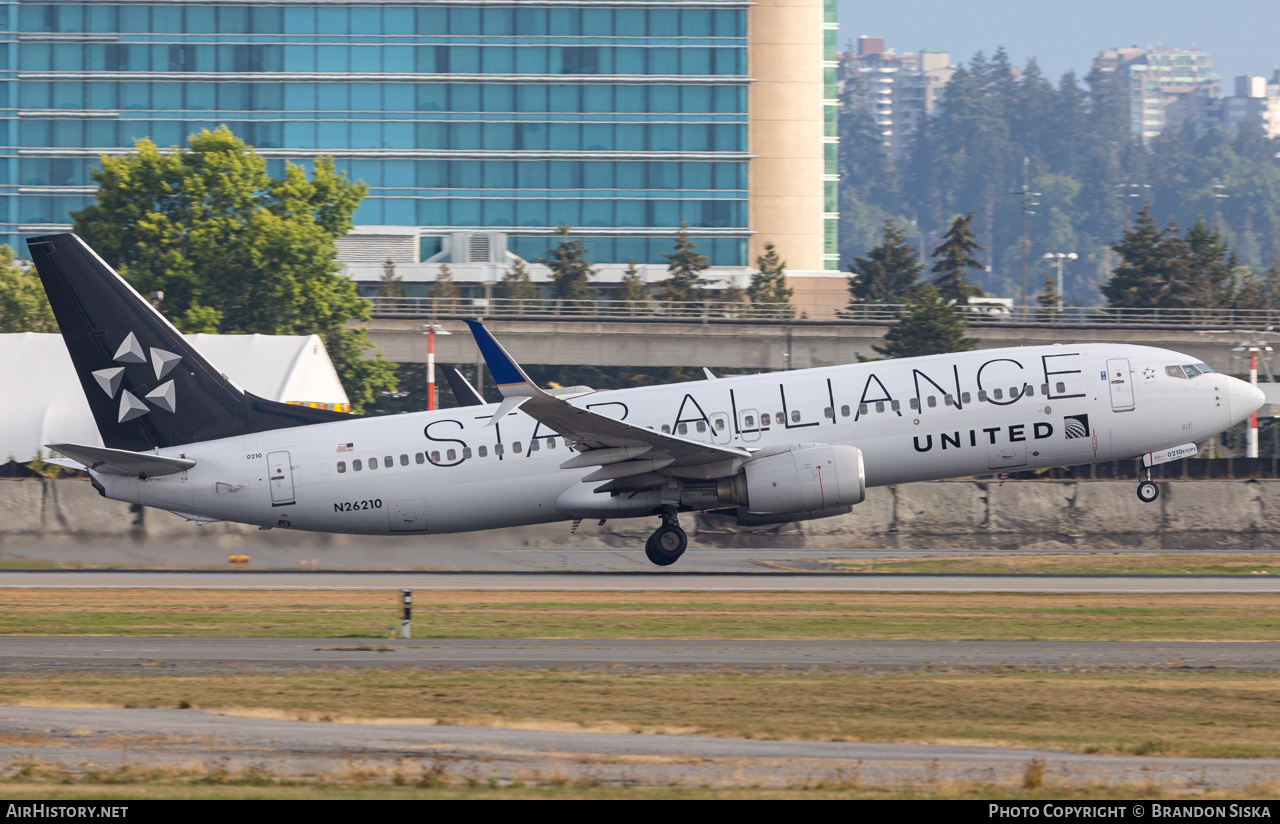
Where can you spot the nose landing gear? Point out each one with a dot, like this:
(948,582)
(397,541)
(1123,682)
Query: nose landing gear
(1147,490)
(668,542)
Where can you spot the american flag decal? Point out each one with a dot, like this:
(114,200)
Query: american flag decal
(346,447)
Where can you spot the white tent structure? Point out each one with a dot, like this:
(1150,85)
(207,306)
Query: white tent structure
(41,400)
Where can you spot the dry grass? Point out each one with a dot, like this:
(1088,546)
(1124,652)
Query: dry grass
(589,615)
(1094,563)
(1211,714)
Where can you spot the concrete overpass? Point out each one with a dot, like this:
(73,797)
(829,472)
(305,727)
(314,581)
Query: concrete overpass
(751,344)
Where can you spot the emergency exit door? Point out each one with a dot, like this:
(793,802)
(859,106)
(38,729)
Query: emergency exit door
(1120,382)
(280,477)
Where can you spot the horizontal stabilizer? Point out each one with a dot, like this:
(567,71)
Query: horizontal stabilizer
(122,461)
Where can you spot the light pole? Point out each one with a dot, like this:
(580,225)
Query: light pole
(431,330)
(1060,259)
(1026,196)
(1126,193)
(1253,347)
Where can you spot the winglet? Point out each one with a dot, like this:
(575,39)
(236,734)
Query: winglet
(507,374)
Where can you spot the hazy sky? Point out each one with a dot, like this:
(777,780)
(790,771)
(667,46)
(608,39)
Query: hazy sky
(1242,35)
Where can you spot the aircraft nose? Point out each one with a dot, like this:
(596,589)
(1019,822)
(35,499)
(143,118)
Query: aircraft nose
(1243,398)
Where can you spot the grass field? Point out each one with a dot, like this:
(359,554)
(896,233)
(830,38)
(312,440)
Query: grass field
(1193,713)
(454,614)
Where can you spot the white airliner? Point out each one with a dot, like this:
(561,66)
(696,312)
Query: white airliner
(766,448)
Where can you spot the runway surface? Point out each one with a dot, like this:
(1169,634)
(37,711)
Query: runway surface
(31,656)
(668,581)
(82,739)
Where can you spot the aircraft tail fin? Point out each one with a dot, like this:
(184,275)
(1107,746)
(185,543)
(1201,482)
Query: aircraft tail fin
(146,385)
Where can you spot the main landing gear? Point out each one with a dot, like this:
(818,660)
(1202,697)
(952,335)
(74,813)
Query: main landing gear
(1147,490)
(668,542)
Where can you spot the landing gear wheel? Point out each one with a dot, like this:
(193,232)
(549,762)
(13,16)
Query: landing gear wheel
(1148,492)
(666,545)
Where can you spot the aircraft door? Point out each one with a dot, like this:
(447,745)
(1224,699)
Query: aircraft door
(749,424)
(720,431)
(280,476)
(1120,382)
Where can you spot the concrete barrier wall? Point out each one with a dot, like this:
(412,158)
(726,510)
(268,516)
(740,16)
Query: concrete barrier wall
(1224,515)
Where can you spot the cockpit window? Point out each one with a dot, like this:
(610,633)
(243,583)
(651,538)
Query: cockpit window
(1191,371)
(1204,368)
(1176,372)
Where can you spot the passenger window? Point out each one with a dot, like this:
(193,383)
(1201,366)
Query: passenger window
(373,463)
(666,429)
(844,411)
(551,443)
(895,405)
(948,400)
(964,397)
(342,467)
(795,416)
(879,406)
(829,413)
(982,395)
(682,429)
(497,449)
(451,455)
(1044,389)
(701,426)
(764,419)
(780,419)
(484,451)
(404,460)
(355,465)
(997,394)
(720,424)
(1029,391)
(534,445)
(515,447)
(466,452)
(914,403)
(1062,388)
(932,401)
(1013,393)
(862,409)
(419,458)
(387,462)
(435,457)
(749,420)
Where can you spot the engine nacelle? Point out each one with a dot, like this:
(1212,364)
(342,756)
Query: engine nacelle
(804,480)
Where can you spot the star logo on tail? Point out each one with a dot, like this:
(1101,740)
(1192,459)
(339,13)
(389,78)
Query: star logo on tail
(163,397)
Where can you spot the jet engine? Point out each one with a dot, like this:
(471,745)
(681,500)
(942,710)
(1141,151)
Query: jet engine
(806,479)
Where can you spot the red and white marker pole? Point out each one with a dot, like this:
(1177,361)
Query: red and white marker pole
(430,367)
(1253,419)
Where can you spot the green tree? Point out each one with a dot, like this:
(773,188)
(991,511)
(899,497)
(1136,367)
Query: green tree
(445,291)
(928,325)
(685,267)
(24,307)
(768,285)
(1271,284)
(235,250)
(1156,268)
(390,285)
(1048,299)
(890,271)
(570,269)
(954,259)
(516,285)
(634,290)
(1212,266)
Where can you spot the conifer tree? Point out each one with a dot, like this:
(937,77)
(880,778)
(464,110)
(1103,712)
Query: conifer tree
(889,273)
(928,325)
(634,289)
(1271,285)
(769,283)
(1136,279)
(570,269)
(445,291)
(1047,300)
(517,286)
(685,266)
(390,285)
(954,259)
(1212,265)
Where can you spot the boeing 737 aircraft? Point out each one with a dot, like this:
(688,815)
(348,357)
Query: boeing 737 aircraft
(766,448)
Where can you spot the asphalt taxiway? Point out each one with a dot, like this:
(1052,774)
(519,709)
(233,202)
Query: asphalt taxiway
(31,656)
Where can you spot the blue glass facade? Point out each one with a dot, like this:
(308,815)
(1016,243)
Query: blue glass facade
(622,118)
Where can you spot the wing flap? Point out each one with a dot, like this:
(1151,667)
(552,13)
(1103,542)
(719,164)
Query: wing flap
(122,461)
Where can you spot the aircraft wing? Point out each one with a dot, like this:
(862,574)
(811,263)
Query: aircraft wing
(603,441)
(122,461)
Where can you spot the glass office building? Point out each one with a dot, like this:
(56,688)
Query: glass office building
(623,119)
